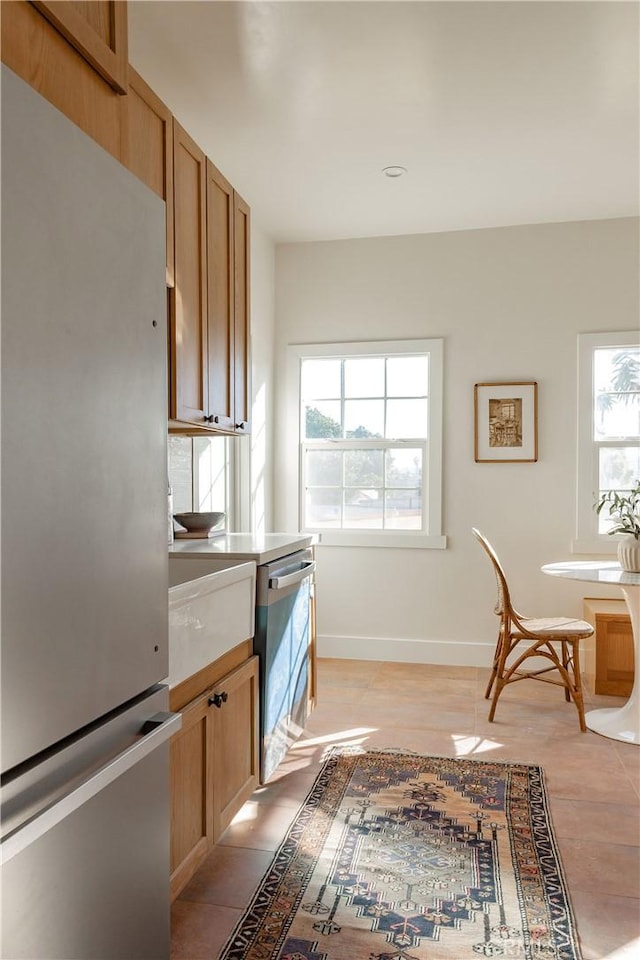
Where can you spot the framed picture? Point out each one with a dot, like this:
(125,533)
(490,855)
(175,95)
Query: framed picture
(506,422)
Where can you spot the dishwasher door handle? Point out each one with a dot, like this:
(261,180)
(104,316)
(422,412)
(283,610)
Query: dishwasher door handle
(155,731)
(289,579)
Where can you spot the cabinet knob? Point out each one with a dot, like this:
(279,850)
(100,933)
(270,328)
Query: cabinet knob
(241,426)
(218,699)
(209,419)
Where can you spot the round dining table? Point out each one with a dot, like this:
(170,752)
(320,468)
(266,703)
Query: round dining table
(618,723)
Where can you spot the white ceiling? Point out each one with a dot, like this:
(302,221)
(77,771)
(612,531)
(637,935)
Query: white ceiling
(502,112)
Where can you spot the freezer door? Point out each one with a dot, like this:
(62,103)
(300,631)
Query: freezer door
(85,865)
(84,555)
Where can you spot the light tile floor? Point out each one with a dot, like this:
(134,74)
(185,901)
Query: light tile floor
(593,785)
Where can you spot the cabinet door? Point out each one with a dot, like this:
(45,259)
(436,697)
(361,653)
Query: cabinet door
(241,326)
(236,756)
(188,338)
(97,29)
(191,792)
(150,148)
(34,49)
(220,297)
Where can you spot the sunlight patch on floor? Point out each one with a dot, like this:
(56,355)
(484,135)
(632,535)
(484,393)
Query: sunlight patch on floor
(341,737)
(246,813)
(466,746)
(629,951)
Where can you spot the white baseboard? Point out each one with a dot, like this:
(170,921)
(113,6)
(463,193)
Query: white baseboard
(451,653)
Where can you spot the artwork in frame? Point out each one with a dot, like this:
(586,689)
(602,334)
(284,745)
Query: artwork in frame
(506,422)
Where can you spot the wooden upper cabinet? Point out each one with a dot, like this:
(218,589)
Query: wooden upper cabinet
(188,360)
(241,325)
(220,297)
(228,303)
(49,61)
(98,30)
(150,149)
(209,363)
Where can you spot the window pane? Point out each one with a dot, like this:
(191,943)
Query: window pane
(363,468)
(324,468)
(322,420)
(210,473)
(404,467)
(364,377)
(181,473)
(406,418)
(616,416)
(320,379)
(364,419)
(323,507)
(616,378)
(407,376)
(403,509)
(619,468)
(363,509)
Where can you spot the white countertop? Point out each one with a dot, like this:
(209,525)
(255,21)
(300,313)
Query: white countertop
(263,548)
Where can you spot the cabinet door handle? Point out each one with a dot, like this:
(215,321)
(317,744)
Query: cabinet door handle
(218,699)
(210,419)
(242,425)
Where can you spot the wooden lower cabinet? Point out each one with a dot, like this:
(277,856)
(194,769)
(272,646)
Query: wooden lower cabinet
(609,654)
(214,767)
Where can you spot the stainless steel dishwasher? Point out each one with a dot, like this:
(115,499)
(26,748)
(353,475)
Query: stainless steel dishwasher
(282,639)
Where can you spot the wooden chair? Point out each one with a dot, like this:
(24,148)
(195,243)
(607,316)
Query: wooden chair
(556,639)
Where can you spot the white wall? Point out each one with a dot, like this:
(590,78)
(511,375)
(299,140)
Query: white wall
(509,303)
(258,476)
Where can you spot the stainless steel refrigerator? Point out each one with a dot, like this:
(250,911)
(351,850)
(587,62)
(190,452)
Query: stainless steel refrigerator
(84,647)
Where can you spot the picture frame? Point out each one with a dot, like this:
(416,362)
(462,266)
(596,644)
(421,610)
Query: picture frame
(506,422)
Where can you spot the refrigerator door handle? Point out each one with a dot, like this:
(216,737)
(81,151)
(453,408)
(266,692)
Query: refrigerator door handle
(279,583)
(155,731)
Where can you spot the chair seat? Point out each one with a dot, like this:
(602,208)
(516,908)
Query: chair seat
(555,628)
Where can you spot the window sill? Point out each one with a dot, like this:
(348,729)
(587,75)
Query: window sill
(347,538)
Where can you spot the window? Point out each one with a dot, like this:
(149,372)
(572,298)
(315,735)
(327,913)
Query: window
(608,429)
(200,474)
(368,435)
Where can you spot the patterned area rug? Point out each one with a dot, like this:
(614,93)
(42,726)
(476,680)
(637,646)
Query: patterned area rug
(395,856)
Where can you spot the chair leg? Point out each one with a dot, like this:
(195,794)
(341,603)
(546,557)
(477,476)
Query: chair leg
(577,687)
(565,664)
(570,672)
(499,676)
(494,666)
(487,693)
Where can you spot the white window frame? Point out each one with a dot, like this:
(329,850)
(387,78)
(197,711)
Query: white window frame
(429,538)
(587,539)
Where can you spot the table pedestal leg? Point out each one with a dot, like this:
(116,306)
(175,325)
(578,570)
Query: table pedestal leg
(623,723)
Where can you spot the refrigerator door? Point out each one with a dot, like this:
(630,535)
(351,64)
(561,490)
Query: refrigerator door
(85,862)
(84,557)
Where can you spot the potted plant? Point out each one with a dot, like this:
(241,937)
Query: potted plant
(624,509)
